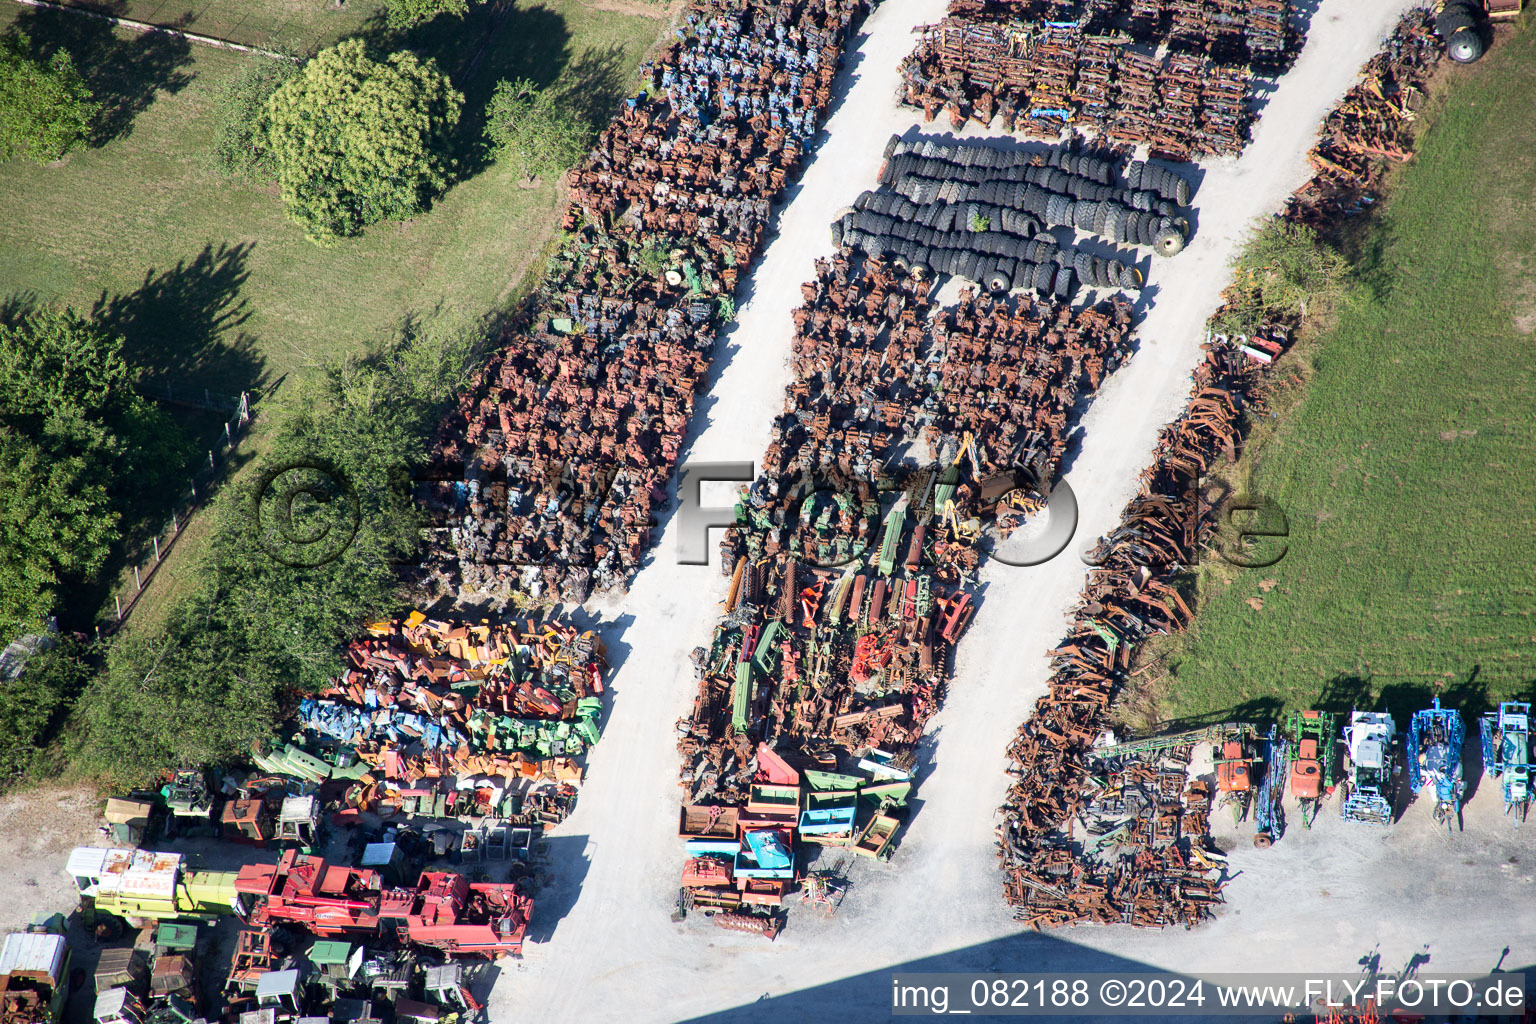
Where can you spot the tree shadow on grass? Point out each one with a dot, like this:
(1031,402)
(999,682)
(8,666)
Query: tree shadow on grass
(1260,710)
(182,324)
(17,306)
(593,84)
(123,72)
(494,40)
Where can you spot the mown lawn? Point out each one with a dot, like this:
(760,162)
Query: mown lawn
(294,24)
(211,285)
(1408,470)
(211,280)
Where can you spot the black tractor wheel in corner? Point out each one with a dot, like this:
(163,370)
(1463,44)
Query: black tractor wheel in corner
(1464,46)
(1263,840)
(999,281)
(1169,242)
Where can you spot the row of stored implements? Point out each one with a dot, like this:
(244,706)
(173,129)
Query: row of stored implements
(1132,594)
(1133,78)
(834,649)
(1375,768)
(553,463)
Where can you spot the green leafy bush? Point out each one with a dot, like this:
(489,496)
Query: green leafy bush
(406,13)
(355,140)
(45,108)
(529,125)
(240,148)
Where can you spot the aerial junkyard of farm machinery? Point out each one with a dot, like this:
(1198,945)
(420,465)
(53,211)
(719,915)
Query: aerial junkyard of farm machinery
(1145,866)
(436,760)
(554,460)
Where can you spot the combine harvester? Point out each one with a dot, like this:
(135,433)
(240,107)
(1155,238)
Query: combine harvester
(142,885)
(1314,759)
(1506,738)
(445,910)
(1435,737)
(1370,778)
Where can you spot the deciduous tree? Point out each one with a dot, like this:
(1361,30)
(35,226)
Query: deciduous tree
(527,124)
(405,13)
(355,140)
(45,108)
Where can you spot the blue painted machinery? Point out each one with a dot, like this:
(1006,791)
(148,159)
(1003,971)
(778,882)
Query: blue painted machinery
(1268,817)
(1506,736)
(1435,738)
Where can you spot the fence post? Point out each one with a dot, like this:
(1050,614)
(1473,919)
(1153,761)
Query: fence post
(175,529)
(119,602)
(156,541)
(194,491)
(210,459)
(136,581)
(228,438)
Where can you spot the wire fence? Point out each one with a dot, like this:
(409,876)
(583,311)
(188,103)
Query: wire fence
(200,488)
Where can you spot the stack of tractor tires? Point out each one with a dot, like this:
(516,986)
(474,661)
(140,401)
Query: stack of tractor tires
(1460,24)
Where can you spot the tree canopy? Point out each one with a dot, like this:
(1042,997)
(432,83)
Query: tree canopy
(528,124)
(405,13)
(70,426)
(45,108)
(355,140)
(33,704)
(269,618)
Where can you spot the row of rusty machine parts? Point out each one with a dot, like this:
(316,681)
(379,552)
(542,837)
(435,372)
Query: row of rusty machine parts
(1130,596)
(1371,127)
(1143,857)
(551,465)
(834,649)
(1042,78)
(946,202)
(1060,785)
(452,719)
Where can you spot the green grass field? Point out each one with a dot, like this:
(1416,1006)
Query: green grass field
(209,282)
(292,23)
(1408,469)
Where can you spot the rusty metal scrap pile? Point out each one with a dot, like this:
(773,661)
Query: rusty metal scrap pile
(1372,125)
(1128,598)
(838,670)
(1039,74)
(1151,867)
(565,443)
(425,700)
(1146,826)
